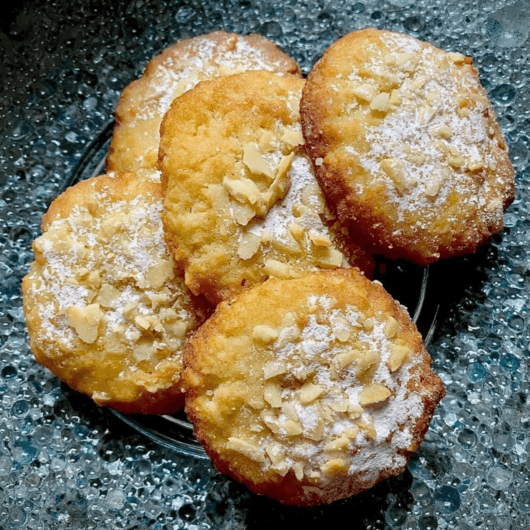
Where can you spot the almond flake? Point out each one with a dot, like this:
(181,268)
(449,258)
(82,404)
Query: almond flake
(272,395)
(374,393)
(252,158)
(309,393)
(248,245)
(85,320)
(245,448)
(264,333)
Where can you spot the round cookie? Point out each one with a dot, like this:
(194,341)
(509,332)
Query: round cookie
(241,202)
(105,311)
(178,68)
(312,389)
(406,144)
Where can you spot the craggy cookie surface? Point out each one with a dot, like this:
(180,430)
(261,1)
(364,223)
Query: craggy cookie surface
(177,69)
(104,309)
(241,202)
(406,144)
(312,389)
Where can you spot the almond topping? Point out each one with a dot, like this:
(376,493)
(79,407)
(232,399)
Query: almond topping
(366,364)
(335,466)
(292,138)
(445,132)
(343,360)
(242,213)
(475,165)
(332,258)
(391,327)
(319,240)
(277,269)
(309,393)
(244,190)
(85,320)
(245,448)
(432,186)
(381,102)
(273,368)
(395,169)
(399,354)
(456,58)
(374,393)
(272,395)
(364,92)
(255,162)
(248,245)
(292,428)
(339,444)
(264,333)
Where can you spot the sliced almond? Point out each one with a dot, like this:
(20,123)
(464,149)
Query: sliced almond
(272,395)
(399,354)
(372,394)
(345,359)
(381,102)
(366,365)
(432,186)
(291,427)
(253,159)
(335,466)
(248,245)
(244,190)
(331,257)
(85,320)
(338,444)
(309,393)
(108,295)
(159,273)
(246,448)
(391,327)
(395,170)
(266,334)
(364,92)
(292,138)
(456,58)
(242,213)
(277,269)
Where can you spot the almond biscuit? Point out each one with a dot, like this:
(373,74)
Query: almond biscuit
(406,144)
(241,202)
(312,389)
(144,102)
(106,312)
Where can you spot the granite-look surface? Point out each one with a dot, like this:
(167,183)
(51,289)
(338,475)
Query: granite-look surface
(65,463)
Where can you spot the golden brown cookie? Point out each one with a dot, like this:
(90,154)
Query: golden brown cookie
(105,311)
(312,389)
(406,144)
(144,102)
(241,202)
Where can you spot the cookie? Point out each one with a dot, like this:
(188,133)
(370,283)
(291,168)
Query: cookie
(241,201)
(144,102)
(105,311)
(406,144)
(312,389)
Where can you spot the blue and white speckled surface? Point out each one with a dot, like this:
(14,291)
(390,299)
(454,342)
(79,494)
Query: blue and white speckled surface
(65,463)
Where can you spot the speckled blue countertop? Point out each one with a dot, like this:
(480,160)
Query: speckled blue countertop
(65,463)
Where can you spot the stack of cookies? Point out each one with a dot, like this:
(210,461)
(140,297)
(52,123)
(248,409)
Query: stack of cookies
(224,263)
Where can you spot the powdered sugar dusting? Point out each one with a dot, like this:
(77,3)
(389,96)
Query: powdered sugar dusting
(435,138)
(203,59)
(112,263)
(382,432)
(304,190)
